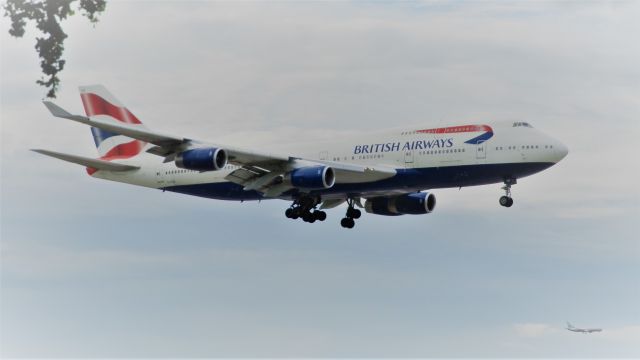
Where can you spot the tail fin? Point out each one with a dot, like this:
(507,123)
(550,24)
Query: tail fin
(569,326)
(100,103)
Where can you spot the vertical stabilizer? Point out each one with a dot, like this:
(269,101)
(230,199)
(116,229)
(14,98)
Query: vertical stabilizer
(101,104)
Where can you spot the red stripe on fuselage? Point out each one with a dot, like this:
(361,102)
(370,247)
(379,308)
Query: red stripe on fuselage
(95,105)
(457,129)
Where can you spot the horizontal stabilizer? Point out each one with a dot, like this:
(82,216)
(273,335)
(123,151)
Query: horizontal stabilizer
(88,162)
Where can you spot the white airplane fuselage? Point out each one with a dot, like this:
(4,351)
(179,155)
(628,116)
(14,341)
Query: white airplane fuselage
(422,160)
(584,331)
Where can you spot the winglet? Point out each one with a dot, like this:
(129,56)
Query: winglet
(57,111)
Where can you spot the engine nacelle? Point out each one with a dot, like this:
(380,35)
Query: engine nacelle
(413,203)
(204,159)
(313,177)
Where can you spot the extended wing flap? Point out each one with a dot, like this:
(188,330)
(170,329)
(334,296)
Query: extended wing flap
(354,173)
(255,178)
(247,157)
(245,174)
(92,163)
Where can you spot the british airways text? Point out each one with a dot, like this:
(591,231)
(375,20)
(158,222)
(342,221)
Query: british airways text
(409,145)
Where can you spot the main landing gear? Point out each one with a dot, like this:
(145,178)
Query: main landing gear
(305,208)
(352,213)
(506,200)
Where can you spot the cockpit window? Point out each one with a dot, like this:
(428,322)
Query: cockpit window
(524,124)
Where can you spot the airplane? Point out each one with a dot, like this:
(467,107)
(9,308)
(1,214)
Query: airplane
(391,171)
(584,331)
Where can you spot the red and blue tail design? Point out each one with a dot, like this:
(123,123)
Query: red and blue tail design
(99,103)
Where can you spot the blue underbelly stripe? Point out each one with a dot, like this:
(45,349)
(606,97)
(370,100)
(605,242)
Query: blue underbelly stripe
(422,178)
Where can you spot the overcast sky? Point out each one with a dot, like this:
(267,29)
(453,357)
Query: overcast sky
(98,269)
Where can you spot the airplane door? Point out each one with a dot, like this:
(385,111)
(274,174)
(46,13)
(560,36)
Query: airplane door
(160,177)
(481,150)
(323,155)
(408,158)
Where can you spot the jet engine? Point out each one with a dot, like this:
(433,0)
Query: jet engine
(414,203)
(313,177)
(204,159)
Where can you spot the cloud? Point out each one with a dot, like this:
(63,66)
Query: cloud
(625,334)
(534,330)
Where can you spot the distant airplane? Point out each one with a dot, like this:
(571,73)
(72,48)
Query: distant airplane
(387,170)
(584,331)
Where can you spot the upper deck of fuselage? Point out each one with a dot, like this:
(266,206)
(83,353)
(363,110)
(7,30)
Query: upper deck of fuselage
(388,146)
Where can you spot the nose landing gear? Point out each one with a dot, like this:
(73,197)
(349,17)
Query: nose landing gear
(352,213)
(506,200)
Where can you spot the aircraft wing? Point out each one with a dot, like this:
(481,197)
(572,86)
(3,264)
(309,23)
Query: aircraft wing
(261,171)
(130,131)
(270,178)
(166,145)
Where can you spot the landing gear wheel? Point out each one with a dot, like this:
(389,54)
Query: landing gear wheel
(305,207)
(351,223)
(510,202)
(347,223)
(354,213)
(308,217)
(506,199)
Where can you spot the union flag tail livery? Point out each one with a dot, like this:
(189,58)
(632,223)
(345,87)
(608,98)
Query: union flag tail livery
(383,173)
(100,104)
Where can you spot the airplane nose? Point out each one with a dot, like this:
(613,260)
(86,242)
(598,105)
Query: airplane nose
(562,150)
